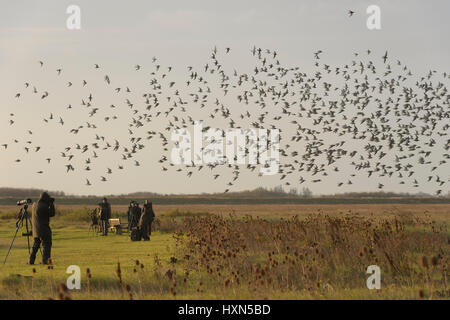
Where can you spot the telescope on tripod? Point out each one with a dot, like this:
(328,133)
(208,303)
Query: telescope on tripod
(24,216)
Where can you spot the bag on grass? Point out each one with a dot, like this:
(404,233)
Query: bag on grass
(135,234)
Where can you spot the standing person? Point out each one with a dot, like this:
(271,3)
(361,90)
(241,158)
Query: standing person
(135,234)
(145,222)
(130,215)
(40,219)
(135,215)
(105,215)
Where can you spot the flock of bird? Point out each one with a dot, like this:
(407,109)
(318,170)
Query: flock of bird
(371,114)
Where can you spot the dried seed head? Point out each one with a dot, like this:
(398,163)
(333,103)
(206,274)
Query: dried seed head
(424,261)
(435,260)
(63,287)
(421,294)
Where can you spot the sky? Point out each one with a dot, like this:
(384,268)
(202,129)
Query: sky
(119,35)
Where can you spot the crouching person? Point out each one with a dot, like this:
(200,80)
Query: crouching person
(40,219)
(145,222)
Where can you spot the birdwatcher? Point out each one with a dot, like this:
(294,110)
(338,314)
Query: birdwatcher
(42,210)
(130,214)
(104,215)
(145,222)
(135,215)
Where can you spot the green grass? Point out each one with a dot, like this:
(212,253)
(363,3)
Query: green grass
(73,246)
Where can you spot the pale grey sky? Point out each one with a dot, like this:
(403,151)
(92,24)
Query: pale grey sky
(119,35)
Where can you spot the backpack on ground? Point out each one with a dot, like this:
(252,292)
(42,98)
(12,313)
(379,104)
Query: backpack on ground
(135,234)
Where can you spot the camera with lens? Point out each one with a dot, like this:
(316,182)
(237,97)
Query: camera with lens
(24,202)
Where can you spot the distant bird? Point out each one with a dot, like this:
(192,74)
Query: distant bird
(385,57)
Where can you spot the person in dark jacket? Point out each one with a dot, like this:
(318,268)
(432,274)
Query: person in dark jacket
(104,215)
(135,215)
(145,222)
(130,215)
(40,220)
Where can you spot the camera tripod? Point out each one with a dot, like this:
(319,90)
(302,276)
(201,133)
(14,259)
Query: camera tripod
(23,216)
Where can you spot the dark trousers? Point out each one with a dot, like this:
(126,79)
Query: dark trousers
(146,230)
(104,227)
(133,222)
(46,244)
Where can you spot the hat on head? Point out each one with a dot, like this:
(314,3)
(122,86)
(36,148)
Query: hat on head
(45,196)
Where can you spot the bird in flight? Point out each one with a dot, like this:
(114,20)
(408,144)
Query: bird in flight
(385,57)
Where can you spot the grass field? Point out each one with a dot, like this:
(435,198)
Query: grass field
(241,252)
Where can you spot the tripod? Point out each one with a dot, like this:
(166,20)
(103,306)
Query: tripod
(23,216)
(94,227)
